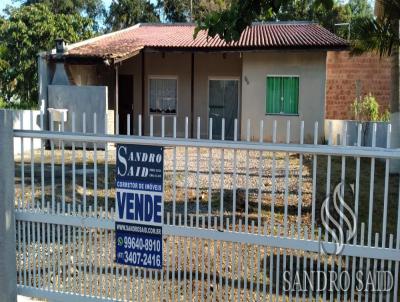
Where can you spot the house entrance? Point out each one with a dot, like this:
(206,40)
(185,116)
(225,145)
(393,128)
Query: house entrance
(125,99)
(223,104)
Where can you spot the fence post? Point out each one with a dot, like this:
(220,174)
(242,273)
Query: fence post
(8,270)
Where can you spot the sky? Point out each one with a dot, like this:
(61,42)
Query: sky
(4,3)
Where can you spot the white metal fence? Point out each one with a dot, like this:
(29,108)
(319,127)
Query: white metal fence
(242,219)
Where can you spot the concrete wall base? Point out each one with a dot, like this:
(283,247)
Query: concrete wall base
(395,140)
(8,266)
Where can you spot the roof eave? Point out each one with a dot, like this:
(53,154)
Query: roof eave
(114,59)
(248,49)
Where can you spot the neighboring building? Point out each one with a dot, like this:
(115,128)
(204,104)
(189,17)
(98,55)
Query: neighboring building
(370,72)
(276,71)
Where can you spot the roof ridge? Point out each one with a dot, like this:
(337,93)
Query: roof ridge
(167,24)
(189,24)
(294,22)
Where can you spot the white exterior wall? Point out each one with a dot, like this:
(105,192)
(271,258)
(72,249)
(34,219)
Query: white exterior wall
(26,120)
(309,66)
(81,100)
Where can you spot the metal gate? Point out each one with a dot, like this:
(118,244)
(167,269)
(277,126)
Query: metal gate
(242,219)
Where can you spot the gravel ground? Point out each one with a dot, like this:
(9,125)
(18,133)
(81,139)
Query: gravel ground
(250,179)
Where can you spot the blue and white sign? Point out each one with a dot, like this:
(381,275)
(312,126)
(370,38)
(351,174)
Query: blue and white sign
(139,205)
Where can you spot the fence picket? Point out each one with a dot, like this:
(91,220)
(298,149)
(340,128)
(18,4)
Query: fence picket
(73,167)
(260,184)
(246,201)
(300,186)
(95,210)
(209,173)
(32,164)
(62,166)
(53,198)
(173,175)
(273,181)
(186,173)
(22,163)
(222,178)
(42,164)
(197,177)
(106,173)
(235,137)
(84,166)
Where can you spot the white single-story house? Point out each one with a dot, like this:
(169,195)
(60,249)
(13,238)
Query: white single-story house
(276,71)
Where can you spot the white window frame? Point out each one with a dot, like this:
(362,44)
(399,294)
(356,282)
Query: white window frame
(162,77)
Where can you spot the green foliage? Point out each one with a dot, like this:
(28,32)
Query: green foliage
(379,34)
(181,10)
(367,109)
(229,23)
(360,9)
(124,13)
(3,103)
(308,10)
(94,9)
(25,32)
(385,116)
(175,10)
(374,35)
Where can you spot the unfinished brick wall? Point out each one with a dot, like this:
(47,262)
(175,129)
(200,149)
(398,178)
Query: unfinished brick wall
(343,71)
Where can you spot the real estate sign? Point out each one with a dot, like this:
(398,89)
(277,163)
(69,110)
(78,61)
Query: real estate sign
(139,205)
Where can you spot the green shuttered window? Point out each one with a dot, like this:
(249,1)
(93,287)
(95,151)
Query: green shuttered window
(282,95)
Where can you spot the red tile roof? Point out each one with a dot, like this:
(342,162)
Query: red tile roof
(180,36)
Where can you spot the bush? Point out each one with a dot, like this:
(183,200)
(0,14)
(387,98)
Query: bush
(367,110)
(17,105)
(3,104)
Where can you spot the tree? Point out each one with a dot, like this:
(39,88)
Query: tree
(189,10)
(124,13)
(228,23)
(360,9)
(94,9)
(25,32)
(309,10)
(379,34)
(176,10)
(382,35)
(3,67)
